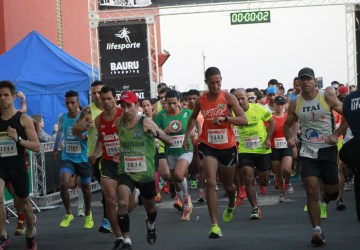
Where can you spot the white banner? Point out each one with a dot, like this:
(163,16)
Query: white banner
(125,3)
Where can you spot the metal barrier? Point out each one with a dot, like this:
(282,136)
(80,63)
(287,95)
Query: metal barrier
(42,196)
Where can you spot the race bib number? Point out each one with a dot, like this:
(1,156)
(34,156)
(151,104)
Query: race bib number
(217,136)
(309,152)
(177,141)
(280,142)
(73,147)
(112,148)
(252,142)
(236,132)
(7,146)
(134,164)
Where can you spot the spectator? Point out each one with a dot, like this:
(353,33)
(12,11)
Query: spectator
(43,136)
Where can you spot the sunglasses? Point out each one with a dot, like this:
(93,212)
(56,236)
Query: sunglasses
(252,97)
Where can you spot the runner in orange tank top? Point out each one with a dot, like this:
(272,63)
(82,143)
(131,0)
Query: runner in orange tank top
(217,145)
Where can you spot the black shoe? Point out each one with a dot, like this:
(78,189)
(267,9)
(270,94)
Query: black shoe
(118,244)
(30,243)
(340,205)
(151,233)
(4,242)
(126,246)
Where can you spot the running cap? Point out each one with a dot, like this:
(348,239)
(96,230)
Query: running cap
(306,72)
(271,90)
(129,97)
(280,99)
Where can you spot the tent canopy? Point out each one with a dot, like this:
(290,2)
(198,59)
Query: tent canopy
(45,73)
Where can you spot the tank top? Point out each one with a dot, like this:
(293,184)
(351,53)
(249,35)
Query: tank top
(178,125)
(219,136)
(92,132)
(278,138)
(137,152)
(316,122)
(109,136)
(75,149)
(9,149)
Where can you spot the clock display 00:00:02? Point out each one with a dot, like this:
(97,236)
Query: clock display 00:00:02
(250,17)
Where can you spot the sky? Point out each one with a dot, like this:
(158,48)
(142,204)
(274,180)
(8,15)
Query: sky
(249,55)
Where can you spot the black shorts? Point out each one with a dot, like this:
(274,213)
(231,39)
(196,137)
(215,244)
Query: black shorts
(227,157)
(147,189)
(258,161)
(96,169)
(158,156)
(83,170)
(15,171)
(278,153)
(108,169)
(350,152)
(324,167)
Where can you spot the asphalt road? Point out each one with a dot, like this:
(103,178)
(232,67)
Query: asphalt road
(283,226)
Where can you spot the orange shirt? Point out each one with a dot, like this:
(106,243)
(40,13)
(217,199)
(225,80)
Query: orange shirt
(219,136)
(278,134)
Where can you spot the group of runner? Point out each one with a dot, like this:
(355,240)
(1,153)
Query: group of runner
(235,137)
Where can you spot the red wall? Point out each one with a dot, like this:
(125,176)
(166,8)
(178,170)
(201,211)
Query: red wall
(2,27)
(22,17)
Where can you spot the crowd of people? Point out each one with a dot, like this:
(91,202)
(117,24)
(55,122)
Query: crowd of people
(137,148)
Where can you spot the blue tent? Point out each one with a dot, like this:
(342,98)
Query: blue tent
(45,73)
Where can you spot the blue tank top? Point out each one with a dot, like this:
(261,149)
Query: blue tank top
(75,149)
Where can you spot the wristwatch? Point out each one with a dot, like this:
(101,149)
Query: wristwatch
(157,134)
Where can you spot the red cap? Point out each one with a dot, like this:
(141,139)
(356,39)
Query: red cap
(128,97)
(343,90)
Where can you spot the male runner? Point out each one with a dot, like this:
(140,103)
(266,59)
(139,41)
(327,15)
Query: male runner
(17,133)
(318,151)
(136,167)
(74,160)
(217,145)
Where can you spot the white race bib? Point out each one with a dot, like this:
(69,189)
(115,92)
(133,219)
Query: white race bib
(73,147)
(135,164)
(218,136)
(280,142)
(309,152)
(177,141)
(236,132)
(112,148)
(7,146)
(252,142)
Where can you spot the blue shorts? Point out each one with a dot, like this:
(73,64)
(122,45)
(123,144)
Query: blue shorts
(83,170)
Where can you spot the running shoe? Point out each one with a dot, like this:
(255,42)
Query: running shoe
(305,208)
(4,242)
(126,246)
(347,186)
(30,243)
(238,201)
(166,187)
(105,226)
(118,244)
(151,233)
(317,238)
(340,205)
(158,197)
(228,214)
(215,232)
(67,218)
(188,207)
(289,189)
(323,213)
(201,197)
(89,223)
(256,214)
(283,197)
(242,192)
(80,212)
(193,184)
(21,227)
(178,205)
(263,190)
